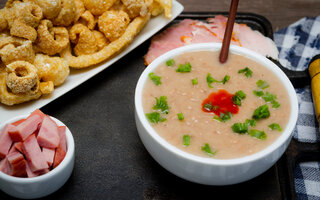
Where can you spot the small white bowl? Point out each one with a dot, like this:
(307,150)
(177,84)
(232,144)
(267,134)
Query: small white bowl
(40,186)
(211,171)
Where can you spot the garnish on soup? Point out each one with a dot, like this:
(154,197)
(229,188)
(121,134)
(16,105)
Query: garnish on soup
(261,113)
(262,84)
(211,80)
(238,97)
(155,117)
(186,140)
(162,105)
(275,126)
(194,81)
(258,134)
(170,62)
(247,72)
(180,116)
(156,79)
(184,68)
(206,148)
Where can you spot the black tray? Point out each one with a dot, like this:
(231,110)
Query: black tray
(112,163)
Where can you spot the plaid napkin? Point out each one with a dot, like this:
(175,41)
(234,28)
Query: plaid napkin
(297,44)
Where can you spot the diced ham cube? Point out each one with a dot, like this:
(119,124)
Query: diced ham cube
(5,166)
(33,153)
(59,156)
(63,139)
(18,164)
(37,112)
(5,141)
(18,146)
(26,128)
(49,155)
(18,122)
(48,134)
(34,174)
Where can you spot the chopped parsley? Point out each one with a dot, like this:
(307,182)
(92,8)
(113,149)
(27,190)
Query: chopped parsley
(161,105)
(208,106)
(261,113)
(186,140)
(237,97)
(194,81)
(240,128)
(258,93)
(170,62)
(223,116)
(184,68)
(211,80)
(251,122)
(180,116)
(206,148)
(155,117)
(275,126)
(156,79)
(247,72)
(258,134)
(262,84)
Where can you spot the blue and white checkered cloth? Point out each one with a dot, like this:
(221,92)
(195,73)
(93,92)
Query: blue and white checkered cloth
(297,44)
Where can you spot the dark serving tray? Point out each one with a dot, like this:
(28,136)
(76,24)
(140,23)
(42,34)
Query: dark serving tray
(112,163)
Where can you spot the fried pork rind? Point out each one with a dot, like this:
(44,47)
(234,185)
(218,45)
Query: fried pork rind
(21,77)
(101,40)
(110,50)
(27,13)
(46,87)
(136,8)
(50,8)
(113,23)
(3,21)
(84,40)
(88,20)
(80,9)
(53,69)
(20,29)
(51,40)
(13,49)
(97,7)
(66,15)
(9,98)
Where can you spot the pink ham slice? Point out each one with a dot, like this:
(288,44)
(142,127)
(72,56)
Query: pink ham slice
(192,31)
(26,128)
(61,151)
(5,141)
(48,134)
(5,166)
(32,151)
(49,155)
(18,164)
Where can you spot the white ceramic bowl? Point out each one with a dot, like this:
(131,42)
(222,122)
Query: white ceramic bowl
(211,171)
(36,187)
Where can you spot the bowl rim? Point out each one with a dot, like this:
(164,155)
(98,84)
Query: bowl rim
(66,161)
(286,133)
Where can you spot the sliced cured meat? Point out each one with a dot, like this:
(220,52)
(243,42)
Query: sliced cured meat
(5,166)
(26,128)
(48,134)
(18,164)
(37,112)
(5,141)
(32,151)
(63,139)
(193,31)
(59,156)
(49,155)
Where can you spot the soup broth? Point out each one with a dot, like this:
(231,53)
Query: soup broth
(205,128)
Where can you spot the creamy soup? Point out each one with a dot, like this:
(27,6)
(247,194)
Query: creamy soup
(216,110)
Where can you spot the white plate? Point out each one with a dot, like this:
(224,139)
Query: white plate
(77,77)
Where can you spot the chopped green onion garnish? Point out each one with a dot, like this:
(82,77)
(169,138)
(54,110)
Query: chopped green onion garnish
(261,113)
(240,128)
(156,79)
(269,97)
(247,72)
(195,81)
(237,97)
(258,93)
(186,140)
(251,122)
(223,116)
(184,68)
(180,116)
(170,62)
(206,148)
(210,80)
(225,79)
(262,84)
(275,126)
(155,117)
(208,106)
(162,105)
(258,134)
(275,104)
